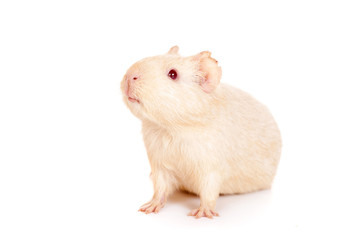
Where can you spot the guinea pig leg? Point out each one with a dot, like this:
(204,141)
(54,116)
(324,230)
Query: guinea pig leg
(162,189)
(208,196)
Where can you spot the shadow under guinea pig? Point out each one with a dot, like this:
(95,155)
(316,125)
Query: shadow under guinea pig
(187,199)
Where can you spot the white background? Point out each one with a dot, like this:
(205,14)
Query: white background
(72,161)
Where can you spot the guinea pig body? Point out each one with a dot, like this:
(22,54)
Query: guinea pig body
(203,137)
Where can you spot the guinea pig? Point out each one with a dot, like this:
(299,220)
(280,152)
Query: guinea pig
(201,136)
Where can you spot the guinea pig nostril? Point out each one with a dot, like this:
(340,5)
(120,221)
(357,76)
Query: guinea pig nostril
(135,78)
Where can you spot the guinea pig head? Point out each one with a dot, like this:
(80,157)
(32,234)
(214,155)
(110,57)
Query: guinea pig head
(172,90)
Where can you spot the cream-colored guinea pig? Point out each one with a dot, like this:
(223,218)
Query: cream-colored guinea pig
(201,136)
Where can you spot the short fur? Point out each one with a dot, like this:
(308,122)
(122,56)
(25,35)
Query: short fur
(201,136)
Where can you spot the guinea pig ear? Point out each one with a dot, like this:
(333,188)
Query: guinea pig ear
(211,71)
(174,50)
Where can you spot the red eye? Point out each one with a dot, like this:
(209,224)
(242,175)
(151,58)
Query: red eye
(172,74)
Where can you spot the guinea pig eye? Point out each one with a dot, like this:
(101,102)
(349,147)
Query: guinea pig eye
(172,74)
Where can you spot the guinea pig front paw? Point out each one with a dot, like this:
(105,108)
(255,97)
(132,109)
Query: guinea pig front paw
(203,212)
(153,206)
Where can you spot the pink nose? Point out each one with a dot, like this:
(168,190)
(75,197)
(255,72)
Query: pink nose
(132,78)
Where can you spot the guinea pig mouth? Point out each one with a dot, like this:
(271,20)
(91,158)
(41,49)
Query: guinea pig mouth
(131,99)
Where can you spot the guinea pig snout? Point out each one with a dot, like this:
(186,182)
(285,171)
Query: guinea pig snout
(130,88)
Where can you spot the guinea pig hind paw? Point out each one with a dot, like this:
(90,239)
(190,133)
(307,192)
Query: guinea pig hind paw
(203,212)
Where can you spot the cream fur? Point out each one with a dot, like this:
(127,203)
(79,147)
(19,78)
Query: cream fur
(208,140)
